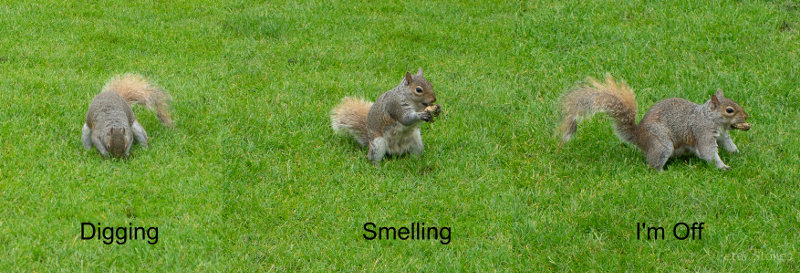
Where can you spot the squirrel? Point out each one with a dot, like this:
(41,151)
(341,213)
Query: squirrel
(391,124)
(670,128)
(110,124)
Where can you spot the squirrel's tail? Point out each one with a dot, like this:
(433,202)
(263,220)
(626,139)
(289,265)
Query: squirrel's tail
(612,97)
(350,117)
(137,90)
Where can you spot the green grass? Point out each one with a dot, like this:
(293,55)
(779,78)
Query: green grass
(253,179)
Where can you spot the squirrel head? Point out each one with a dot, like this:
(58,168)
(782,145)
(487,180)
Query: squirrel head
(117,142)
(420,89)
(730,111)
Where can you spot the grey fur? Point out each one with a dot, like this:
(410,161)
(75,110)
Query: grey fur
(392,122)
(109,121)
(139,133)
(670,128)
(110,124)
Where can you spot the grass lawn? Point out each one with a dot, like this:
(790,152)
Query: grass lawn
(252,177)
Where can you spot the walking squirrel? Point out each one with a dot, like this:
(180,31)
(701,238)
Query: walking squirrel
(670,128)
(391,124)
(111,125)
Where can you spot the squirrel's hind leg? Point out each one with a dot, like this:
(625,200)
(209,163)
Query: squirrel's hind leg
(86,137)
(139,133)
(377,149)
(658,153)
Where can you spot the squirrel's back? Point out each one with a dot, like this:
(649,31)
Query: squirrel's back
(677,118)
(674,110)
(109,119)
(109,109)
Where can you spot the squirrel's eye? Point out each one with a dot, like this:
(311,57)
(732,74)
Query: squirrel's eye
(729,110)
(419,89)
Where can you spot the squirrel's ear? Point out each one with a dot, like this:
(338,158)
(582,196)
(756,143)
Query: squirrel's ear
(111,131)
(419,72)
(123,131)
(408,78)
(719,93)
(714,101)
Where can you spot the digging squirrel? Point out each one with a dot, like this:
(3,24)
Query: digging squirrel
(111,126)
(391,124)
(670,128)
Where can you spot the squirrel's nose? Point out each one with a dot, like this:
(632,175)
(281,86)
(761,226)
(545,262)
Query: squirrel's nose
(434,100)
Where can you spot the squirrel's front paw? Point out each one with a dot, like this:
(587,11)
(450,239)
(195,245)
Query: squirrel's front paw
(725,168)
(426,116)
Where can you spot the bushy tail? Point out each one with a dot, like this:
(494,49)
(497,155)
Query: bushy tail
(137,90)
(612,97)
(350,117)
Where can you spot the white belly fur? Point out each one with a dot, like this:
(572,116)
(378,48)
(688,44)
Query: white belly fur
(399,138)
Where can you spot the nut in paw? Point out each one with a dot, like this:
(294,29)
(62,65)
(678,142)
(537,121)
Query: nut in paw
(744,126)
(434,109)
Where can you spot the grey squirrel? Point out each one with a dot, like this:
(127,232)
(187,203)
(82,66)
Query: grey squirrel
(391,124)
(110,124)
(670,128)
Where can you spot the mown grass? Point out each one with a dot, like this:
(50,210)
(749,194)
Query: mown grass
(253,179)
